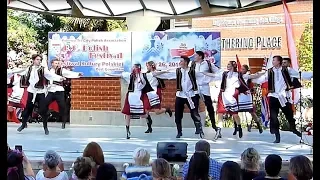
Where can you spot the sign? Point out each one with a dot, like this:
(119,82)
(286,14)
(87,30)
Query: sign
(95,54)
(252,21)
(251,43)
(166,48)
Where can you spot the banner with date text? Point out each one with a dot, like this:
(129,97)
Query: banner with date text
(166,48)
(95,54)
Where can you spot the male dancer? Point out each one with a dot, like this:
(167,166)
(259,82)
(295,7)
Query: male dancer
(279,84)
(152,93)
(186,94)
(35,78)
(201,65)
(56,89)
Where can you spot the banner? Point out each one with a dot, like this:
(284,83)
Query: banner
(103,54)
(95,54)
(166,48)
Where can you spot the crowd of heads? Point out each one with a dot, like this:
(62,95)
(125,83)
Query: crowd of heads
(91,165)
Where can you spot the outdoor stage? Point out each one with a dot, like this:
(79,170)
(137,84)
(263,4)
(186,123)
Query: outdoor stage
(69,143)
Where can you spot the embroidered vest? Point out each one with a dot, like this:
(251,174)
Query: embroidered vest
(10,85)
(24,81)
(285,75)
(147,88)
(242,88)
(193,65)
(250,85)
(58,71)
(131,83)
(192,75)
(161,83)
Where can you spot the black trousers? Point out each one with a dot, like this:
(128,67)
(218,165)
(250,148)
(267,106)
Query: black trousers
(59,97)
(275,106)
(179,108)
(40,99)
(209,104)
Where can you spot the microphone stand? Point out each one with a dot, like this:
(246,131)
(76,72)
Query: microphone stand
(301,142)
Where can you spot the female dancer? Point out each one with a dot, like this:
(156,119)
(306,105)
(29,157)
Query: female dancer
(246,100)
(232,84)
(152,97)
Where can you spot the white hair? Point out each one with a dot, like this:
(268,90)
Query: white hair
(51,159)
(141,156)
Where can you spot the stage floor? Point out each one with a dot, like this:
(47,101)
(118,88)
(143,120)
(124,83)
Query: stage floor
(71,141)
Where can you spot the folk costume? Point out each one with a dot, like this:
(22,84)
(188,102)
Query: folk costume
(204,87)
(56,92)
(152,96)
(35,79)
(279,87)
(17,99)
(186,94)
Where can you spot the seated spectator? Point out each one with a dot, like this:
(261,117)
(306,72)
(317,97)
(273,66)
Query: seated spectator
(230,171)
(272,165)
(214,166)
(106,171)
(300,168)
(83,167)
(250,164)
(18,166)
(198,167)
(161,170)
(52,168)
(95,153)
(141,165)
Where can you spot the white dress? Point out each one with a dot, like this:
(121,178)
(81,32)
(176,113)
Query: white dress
(245,101)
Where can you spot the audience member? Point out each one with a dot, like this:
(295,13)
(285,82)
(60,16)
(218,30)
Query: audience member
(250,164)
(198,167)
(94,151)
(141,165)
(161,170)
(52,168)
(272,165)
(83,168)
(301,168)
(106,171)
(18,166)
(214,166)
(230,171)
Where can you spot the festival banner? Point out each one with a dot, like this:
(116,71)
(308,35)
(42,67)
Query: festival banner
(166,48)
(95,54)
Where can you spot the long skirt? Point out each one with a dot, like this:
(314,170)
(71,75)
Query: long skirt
(245,102)
(127,110)
(228,104)
(146,101)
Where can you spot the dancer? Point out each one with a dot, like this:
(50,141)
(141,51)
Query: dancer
(35,78)
(245,100)
(56,89)
(186,94)
(279,86)
(152,95)
(133,105)
(201,65)
(232,84)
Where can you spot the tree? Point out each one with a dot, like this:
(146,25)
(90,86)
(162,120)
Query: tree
(305,49)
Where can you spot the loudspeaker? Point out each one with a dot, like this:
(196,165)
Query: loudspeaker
(172,151)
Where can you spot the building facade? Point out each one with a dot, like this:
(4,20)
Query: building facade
(251,35)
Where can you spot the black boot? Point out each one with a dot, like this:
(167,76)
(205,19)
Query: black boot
(45,127)
(64,120)
(168,110)
(277,134)
(235,128)
(179,130)
(259,127)
(249,126)
(128,132)
(23,125)
(240,131)
(149,123)
(199,129)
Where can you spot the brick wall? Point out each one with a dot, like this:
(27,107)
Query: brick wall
(104,94)
(301,13)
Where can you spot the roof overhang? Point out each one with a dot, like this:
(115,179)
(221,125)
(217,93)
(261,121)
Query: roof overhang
(120,9)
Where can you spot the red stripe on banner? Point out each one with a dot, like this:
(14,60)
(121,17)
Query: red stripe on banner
(238,63)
